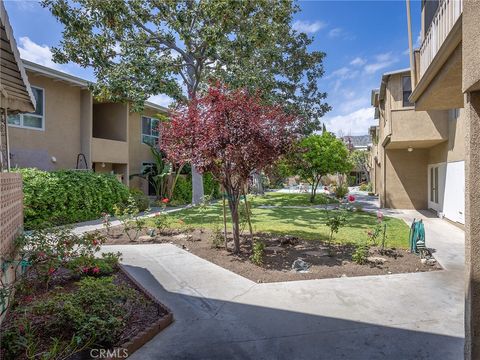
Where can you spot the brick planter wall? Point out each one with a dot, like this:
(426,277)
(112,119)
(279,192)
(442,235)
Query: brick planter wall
(11,217)
(11,209)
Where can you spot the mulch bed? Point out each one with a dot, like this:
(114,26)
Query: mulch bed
(282,251)
(146,317)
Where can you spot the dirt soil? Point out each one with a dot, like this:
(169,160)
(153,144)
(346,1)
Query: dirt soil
(281,252)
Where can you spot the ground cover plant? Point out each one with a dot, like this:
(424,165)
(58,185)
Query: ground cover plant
(68,299)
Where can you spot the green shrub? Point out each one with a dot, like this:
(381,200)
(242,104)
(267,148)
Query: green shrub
(94,266)
(211,186)
(68,196)
(182,194)
(141,200)
(341,191)
(360,254)
(258,252)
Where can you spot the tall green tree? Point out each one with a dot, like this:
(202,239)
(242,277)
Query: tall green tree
(316,156)
(139,48)
(361,162)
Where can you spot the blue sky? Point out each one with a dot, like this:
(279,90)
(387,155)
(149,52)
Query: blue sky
(362,39)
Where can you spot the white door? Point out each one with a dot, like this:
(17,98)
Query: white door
(454,201)
(436,186)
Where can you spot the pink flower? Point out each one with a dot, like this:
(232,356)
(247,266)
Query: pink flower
(85,269)
(165,200)
(51,271)
(95,242)
(351,198)
(379,215)
(96,270)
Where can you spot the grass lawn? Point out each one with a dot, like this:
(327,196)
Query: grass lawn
(306,223)
(286,199)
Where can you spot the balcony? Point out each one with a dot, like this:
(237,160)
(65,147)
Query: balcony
(447,14)
(417,129)
(439,61)
(109,151)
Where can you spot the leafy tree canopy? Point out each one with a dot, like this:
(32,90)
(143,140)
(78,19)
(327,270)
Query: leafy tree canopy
(140,48)
(316,156)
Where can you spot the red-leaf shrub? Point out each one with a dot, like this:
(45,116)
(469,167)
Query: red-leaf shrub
(231,134)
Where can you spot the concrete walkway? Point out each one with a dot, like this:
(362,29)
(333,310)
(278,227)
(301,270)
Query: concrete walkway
(221,315)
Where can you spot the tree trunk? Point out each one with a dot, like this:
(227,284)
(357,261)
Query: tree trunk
(197,187)
(233,205)
(257,180)
(247,210)
(224,220)
(314,189)
(197,178)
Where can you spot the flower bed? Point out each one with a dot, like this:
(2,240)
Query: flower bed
(70,303)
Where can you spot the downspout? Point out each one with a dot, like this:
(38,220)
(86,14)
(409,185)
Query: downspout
(413,73)
(384,145)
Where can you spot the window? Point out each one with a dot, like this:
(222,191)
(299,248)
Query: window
(407,90)
(150,133)
(35,120)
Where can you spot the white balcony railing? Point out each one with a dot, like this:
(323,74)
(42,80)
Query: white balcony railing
(445,18)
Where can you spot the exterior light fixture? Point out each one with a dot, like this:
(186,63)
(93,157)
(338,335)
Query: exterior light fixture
(410,149)
(53,159)
(103,165)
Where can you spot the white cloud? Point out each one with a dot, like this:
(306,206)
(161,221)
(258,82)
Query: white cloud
(40,54)
(336,32)
(354,123)
(381,62)
(358,61)
(308,27)
(161,99)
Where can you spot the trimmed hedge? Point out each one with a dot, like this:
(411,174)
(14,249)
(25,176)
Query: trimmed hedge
(68,196)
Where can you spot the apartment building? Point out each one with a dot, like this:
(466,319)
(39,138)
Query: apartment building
(71,130)
(445,74)
(418,157)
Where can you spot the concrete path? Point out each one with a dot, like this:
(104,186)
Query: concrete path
(221,315)
(92,225)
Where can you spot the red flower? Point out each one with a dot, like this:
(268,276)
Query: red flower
(165,200)
(51,271)
(96,270)
(351,198)
(85,269)
(95,242)
(28,298)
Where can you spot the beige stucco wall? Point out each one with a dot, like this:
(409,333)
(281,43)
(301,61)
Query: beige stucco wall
(471,46)
(454,148)
(418,128)
(138,152)
(110,121)
(406,179)
(35,148)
